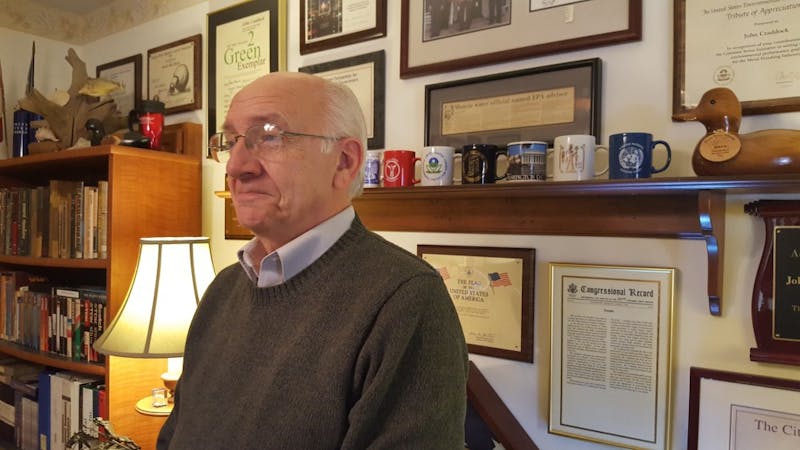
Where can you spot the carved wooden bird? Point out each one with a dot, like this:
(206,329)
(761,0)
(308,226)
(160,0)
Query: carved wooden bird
(723,151)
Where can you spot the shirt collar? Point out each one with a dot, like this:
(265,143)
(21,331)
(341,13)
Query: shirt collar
(290,259)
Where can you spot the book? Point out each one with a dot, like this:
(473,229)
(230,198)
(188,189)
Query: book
(102,219)
(61,217)
(66,407)
(43,400)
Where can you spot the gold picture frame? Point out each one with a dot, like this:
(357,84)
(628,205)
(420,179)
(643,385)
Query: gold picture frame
(174,74)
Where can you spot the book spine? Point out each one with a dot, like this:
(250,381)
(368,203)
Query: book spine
(102,219)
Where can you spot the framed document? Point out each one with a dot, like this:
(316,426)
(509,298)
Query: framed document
(489,420)
(747,47)
(610,354)
(735,411)
(440,36)
(245,41)
(326,24)
(365,75)
(128,73)
(173,74)
(492,289)
(525,105)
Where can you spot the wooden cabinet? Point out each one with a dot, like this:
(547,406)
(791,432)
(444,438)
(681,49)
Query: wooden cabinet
(151,194)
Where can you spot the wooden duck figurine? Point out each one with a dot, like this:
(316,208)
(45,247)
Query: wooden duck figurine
(723,151)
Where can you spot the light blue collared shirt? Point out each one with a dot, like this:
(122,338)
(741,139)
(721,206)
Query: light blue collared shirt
(289,260)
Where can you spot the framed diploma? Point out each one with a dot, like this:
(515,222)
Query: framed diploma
(735,411)
(365,75)
(489,421)
(748,47)
(173,74)
(492,289)
(326,24)
(441,36)
(128,73)
(610,354)
(245,41)
(526,105)
(776,291)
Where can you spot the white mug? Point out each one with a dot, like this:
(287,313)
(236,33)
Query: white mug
(372,169)
(437,165)
(574,158)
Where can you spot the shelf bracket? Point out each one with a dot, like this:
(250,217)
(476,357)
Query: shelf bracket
(711,214)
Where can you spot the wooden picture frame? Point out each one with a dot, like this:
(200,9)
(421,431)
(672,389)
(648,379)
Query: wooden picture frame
(128,73)
(493,416)
(253,36)
(492,289)
(529,32)
(566,97)
(610,354)
(366,76)
(326,24)
(742,52)
(174,74)
(736,411)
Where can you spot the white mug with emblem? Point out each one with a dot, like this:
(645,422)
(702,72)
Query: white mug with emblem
(372,168)
(574,157)
(437,165)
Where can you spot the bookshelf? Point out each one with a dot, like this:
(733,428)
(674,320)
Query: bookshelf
(150,194)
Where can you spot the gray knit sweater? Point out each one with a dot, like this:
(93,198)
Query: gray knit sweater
(361,350)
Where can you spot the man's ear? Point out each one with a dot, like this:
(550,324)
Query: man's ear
(350,159)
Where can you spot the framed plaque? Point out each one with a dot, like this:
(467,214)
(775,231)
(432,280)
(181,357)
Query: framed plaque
(173,74)
(128,73)
(535,104)
(736,411)
(611,353)
(748,47)
(775,306)
(326,24)
(365,75)
(492,289)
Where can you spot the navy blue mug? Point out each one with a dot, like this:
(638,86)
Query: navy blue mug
(630,155)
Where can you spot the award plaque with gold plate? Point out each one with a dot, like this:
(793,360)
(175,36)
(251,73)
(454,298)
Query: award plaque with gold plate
(776,293)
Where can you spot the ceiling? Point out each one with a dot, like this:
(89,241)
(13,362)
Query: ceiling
(82,21)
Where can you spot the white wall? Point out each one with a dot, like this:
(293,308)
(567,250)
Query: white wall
(637,87)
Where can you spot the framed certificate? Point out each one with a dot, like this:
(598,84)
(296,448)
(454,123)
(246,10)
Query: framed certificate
(327,24)
(173,74)
(610,354)
(492,289)
(128,73)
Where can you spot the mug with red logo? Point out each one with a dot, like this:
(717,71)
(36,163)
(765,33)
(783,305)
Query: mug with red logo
(399,167)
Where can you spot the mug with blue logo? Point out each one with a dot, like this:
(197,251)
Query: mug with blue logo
(631,155)
(437,165)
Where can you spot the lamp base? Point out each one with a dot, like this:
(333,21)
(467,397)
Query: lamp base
(145,406)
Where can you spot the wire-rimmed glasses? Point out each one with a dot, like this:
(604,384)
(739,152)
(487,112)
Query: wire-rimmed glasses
(266,141)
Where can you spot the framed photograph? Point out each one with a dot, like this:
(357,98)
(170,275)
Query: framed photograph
(326,24)
(530,104)
(365,75)
(735,411)
(610,351)
(174,74)
(492,289)
(441,36)
(245,41)
(489,421)
(128,73)
(745,48)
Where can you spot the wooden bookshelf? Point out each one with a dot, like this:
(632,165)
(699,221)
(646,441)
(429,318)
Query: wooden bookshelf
(151,194)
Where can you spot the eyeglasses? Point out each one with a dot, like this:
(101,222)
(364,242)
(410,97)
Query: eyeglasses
(265,140)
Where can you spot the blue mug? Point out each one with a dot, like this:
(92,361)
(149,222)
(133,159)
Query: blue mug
(630,155)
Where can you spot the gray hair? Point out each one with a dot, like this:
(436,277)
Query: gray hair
(343,118)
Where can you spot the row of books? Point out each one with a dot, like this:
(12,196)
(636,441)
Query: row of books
(63,320)
(65,219)
(41,409)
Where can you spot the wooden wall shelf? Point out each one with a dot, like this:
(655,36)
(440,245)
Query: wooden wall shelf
(679,208)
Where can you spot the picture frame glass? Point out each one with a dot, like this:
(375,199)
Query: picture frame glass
(174,74)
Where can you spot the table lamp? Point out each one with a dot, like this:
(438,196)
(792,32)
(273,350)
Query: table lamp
(172,273)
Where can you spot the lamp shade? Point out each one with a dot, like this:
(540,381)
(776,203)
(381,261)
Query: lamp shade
(171,276)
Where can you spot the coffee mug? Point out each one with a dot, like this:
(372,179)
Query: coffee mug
(631,155)
(574,157)
(399,167)
(527,161)
(372,169)
(479,163)
(437,165)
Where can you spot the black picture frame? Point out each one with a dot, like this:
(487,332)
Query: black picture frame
(276,10)
(174,74)
(336,36)
(582,78)
(338,71)
(527,33)
(124,71)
